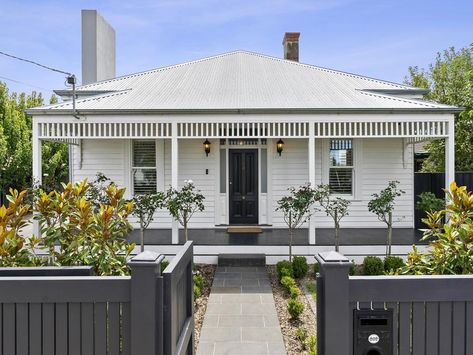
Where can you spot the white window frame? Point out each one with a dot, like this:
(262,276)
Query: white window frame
(356,167)
(158,152)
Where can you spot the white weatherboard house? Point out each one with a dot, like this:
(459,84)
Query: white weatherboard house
(146,131)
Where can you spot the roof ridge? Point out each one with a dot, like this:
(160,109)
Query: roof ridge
(311,66)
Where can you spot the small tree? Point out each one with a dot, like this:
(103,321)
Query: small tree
(337,208)
(296,209)
(144,207)
(183,203)
(382,205)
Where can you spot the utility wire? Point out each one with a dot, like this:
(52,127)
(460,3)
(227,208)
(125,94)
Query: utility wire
(35,63)
(23,83)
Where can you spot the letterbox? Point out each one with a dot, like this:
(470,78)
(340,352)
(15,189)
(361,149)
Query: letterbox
(373,332)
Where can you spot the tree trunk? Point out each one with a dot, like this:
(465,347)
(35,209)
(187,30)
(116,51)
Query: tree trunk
(142,239)
(185,230)
(337,243)
(390,233)
(290,237)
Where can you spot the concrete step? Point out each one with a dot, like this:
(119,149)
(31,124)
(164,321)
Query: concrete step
(241,259)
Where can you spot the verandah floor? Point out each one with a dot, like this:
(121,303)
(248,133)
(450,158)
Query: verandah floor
(324,236)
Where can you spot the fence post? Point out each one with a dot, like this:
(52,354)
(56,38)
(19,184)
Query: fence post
(146,304)
(333,321)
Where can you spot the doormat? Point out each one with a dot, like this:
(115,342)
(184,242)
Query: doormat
(244,229)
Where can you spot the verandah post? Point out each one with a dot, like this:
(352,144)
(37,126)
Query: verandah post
(333,307)
(174,176)
(450,154)
(311,148)
(37,166)
(146,304)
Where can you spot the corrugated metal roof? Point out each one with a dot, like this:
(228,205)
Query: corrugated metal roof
(243,80)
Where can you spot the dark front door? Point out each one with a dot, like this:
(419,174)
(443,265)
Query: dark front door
(243,174)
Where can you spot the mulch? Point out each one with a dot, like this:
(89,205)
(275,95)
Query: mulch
(200,305)
(289,326)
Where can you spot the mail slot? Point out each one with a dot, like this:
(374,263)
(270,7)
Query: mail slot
(373,332)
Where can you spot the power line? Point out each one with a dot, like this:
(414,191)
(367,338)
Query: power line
(23,83)
(35,63)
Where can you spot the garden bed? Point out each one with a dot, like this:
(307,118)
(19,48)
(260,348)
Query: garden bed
(200,305)
(289,327)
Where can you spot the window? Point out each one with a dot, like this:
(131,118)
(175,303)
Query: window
(144,166)
(341,166)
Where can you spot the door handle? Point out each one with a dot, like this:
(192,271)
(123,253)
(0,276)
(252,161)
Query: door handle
(243,197)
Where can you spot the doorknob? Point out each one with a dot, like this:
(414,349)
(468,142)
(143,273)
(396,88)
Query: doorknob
(243,197)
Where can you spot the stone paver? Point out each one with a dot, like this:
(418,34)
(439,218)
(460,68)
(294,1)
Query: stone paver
(241,315)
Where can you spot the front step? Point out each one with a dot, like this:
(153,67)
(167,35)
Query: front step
(241,259)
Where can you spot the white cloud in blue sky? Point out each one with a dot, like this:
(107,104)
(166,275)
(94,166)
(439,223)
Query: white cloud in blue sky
(378,38)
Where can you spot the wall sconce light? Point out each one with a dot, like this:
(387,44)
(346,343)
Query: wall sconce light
(207,147)
(279,146)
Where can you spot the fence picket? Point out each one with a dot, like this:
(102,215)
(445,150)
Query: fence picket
(21,329)
(87,328)
(114,328)
(48,328)
(431,329)
(404,328)
(469,328)
(394,307)
(458,328)
(74,329)
(35,328)
(418,328)
(9,328)
(445,328)
(100,329)
(61,328)
(125,328)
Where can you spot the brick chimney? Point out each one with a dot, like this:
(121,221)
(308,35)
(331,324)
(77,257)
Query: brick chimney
(291,46)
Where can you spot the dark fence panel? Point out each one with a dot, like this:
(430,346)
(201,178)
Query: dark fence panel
(431,314)
(435,183)
(83,315)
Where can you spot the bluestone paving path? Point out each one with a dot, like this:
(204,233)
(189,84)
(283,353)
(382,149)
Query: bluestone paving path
(241,315)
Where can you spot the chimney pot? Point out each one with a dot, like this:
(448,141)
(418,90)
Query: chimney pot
(291,46)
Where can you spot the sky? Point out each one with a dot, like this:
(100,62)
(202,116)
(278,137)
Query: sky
(376,38)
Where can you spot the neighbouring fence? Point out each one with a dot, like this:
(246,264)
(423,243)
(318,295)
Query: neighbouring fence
(148,313)
(430,314)
(435,183)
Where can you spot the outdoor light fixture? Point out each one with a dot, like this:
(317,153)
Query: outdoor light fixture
(279,146)
(207,147)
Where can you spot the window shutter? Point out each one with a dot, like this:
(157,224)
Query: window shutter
(144,167)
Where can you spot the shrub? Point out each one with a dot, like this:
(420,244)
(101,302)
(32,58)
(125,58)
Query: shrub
(295,308)
(301,335)
(287,282)
(284,264)
(312,344)
(76,233)
(299,266)
(372,265)
(428,202)
(393,263)
(450,249)
(164,264)
(294,292)
(199,281)
(285,272)
(316,268)
(352,270)
(197,292)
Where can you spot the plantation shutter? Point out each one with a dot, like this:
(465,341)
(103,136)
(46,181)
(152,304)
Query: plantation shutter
(144,167)
(341,166)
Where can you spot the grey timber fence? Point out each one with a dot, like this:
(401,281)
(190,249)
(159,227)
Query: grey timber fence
(96,315)
(430,314)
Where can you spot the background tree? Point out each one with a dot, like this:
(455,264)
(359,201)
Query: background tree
(16,147)
(183,203)
(382,205)
(144,207)
(337,208)
(450,81)
(296,209)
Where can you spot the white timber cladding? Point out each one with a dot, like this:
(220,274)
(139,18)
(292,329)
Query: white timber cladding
(382,161)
